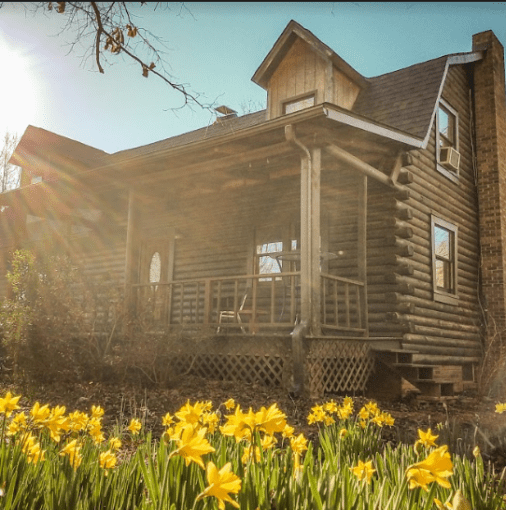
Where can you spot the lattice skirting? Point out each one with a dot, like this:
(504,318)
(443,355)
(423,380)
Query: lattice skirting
(331,365)
(337,366)
(266,361)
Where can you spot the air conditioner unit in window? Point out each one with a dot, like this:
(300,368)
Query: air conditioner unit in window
(450,158)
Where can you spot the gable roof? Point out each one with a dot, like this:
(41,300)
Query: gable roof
(41,151)
(285,41)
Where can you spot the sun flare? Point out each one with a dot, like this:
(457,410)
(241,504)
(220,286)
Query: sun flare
(18,90)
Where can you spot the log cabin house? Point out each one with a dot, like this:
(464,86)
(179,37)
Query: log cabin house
(346,238)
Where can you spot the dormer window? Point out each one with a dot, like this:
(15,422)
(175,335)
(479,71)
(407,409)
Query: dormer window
(299,103)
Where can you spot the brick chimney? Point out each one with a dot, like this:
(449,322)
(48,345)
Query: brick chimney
(490,126)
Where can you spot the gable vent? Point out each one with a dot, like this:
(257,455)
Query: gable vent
(450,158)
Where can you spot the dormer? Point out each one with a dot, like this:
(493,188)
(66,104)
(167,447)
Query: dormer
(300,71)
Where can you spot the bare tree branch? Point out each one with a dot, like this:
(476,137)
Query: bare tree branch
(107,28)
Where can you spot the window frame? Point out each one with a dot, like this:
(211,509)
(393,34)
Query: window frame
(297,99)
(441,294)
(451,112)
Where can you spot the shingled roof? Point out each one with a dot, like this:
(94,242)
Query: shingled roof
(219,128)
(404,99)
(41,151)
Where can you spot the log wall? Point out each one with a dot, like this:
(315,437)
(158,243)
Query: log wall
(440,332)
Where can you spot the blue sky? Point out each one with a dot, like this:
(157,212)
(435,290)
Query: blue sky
(215,48)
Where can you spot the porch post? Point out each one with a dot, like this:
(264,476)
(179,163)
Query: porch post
(362,249)
(131,255)
(310,240)
(315,241)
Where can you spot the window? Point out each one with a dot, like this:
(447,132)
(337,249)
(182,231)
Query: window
(298,103)
(447,129)
(267,261)
(444,260)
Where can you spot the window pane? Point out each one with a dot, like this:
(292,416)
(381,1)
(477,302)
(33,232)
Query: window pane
(442,239)
(270,247)
(443,275)
(155,268)
(267,265)
(446,122)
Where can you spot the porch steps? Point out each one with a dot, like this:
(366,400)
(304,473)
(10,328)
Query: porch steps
(429,380)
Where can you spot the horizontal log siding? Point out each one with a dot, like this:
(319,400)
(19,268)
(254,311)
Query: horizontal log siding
(383,263)
(440,332)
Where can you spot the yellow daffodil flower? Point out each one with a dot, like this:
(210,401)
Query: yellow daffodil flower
(78,421)
(343,433)
(437,467)
(363,470)
(364,414)
(73,450)
(107,459)
(229,404)
(192,445)
(9,404)
(97,412)
(426,439)
(135,426)
(298,444)
(115,443)
(330,407)
(270,420)
(288,431)
(500,408)
(40,414)
(222,483)
(167,420)
(17,424)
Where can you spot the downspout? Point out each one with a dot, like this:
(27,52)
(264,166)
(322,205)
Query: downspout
(300,331)
(298,357)
(305,227)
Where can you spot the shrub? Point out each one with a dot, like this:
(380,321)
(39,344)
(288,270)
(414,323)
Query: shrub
(58,325)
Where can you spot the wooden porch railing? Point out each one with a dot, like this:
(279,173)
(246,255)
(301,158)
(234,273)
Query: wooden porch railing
(246,303)
(343,304)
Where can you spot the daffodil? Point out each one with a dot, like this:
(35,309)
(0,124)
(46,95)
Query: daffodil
(330,407)
(17,424)
(222,483)
(426,439)
(343,433)
(40,414)
(298,444)
(57,422)
(107,459)
(229,404)
(9,403)
(288,431)
(437,467)
(500,408)
(73,450)
(345,411)
(96,412)
(363,470)
(192,445)
(238,425)
(115,443)
(167,420)
(77,421)
(135,426)
(270,420)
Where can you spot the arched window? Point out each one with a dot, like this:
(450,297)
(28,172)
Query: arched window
(155,268)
